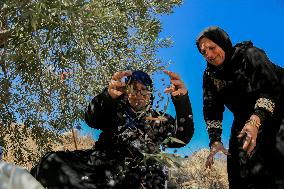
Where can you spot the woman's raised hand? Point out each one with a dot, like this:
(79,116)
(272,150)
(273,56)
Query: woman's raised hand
(116,87)
(177,87)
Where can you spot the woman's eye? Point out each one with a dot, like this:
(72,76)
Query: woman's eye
(211,48)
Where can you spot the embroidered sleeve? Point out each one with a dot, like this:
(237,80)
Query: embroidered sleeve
(210,124)
(265,103)
(214,129)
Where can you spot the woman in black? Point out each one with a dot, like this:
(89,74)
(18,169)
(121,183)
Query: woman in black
(126,154)
(243,79)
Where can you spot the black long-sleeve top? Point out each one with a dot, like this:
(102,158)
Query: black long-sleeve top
(122,128)
(249,83)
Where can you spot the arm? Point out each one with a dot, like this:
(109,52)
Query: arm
(184,120)
(213,109)
(265,82)
(101,110)
(267,85)
(184,123)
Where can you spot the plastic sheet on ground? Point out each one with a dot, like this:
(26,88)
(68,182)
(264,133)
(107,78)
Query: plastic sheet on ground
(15,177)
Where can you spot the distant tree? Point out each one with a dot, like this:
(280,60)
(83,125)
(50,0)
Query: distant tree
(55,55)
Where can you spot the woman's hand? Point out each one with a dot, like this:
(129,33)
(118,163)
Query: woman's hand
(249,133)
(116,86)
(178,87)
(215,148)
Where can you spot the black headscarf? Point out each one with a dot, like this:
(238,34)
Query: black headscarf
(220,37)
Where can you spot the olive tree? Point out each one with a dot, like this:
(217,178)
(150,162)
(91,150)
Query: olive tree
(55,55)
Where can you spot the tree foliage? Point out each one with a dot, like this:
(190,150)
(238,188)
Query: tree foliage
(56,55)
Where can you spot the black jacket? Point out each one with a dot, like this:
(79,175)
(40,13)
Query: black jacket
(122,129)
(248,83)
(124,155)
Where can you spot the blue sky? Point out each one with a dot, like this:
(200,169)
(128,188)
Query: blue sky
(260,21)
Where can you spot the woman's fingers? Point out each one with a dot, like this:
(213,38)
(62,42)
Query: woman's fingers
(209,162)
(114,93)
(175,93)
(115,88)
(215,148)
(225,151)
(247,142)
(251,146)
(169,90)
(179,92)
(221,148)
(242,133)
(177,83)
(172,75)
(249,133)
(178,87)
(115,84)
(119,75)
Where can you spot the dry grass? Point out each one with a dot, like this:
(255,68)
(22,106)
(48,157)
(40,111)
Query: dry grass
(191,174)
(26,151)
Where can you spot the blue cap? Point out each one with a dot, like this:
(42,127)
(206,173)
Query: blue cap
(141,77)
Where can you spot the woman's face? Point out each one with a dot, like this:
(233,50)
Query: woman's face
(211,51)
(138,95)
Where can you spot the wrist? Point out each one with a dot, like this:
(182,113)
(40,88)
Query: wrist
(254,121)
(216,143)
(255,117)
